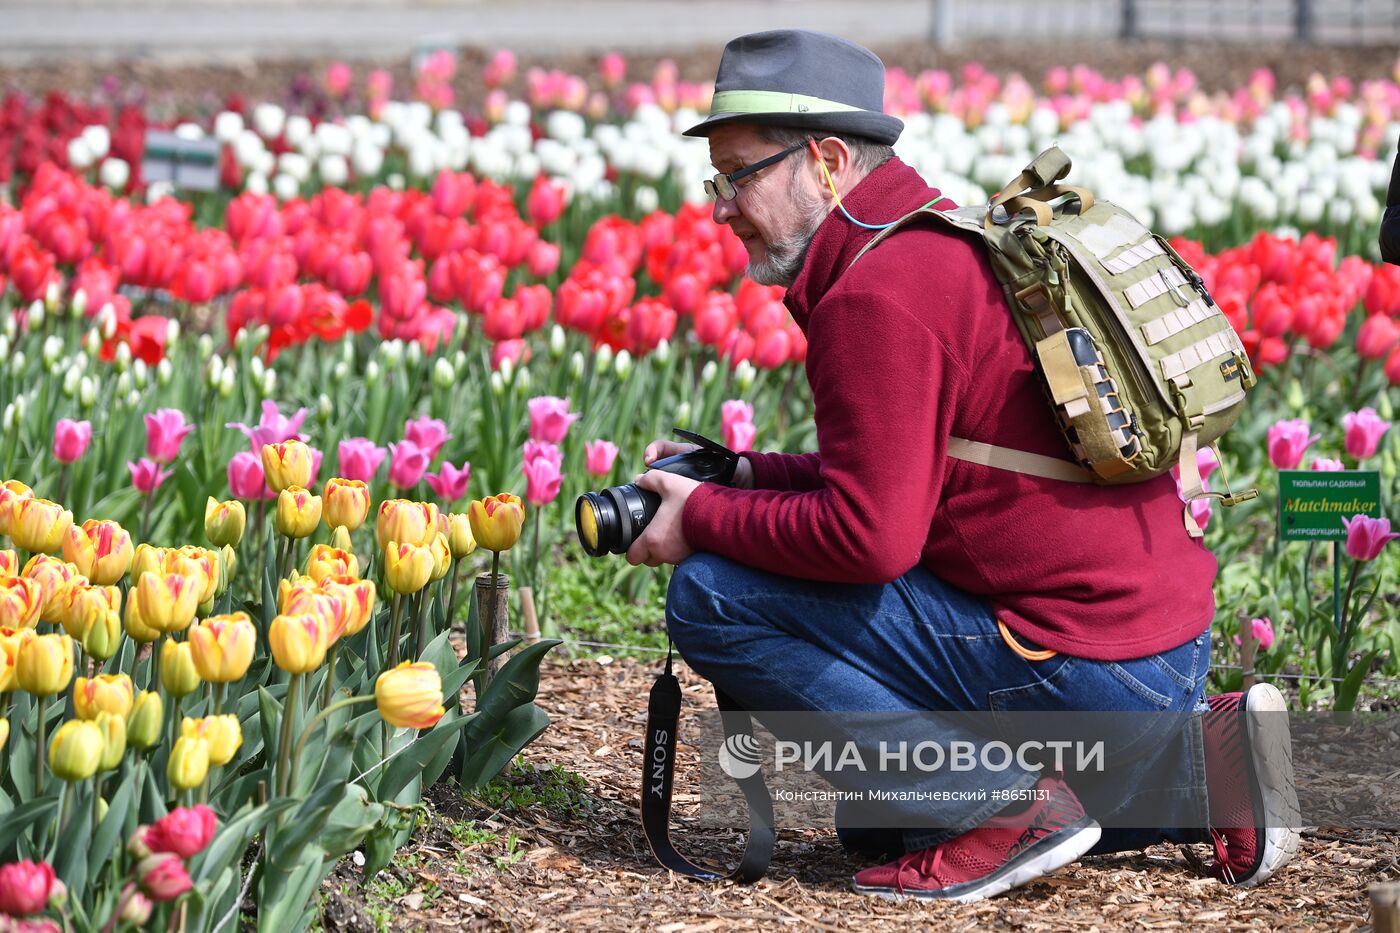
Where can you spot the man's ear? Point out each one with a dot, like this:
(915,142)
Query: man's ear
(836,156)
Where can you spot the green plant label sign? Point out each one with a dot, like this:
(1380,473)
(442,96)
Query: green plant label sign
(1312,504)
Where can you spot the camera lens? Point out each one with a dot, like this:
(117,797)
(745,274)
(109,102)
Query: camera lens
(609,521)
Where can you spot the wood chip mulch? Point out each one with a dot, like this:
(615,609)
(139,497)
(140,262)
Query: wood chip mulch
(595,872)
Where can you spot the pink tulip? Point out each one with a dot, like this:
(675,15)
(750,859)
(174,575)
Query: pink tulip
(25,887)
(736,418)
(450,483)
(272,427)
(165,431)
(542,481)
(612,68)
(71,440)
(1287,441)
(184,831)
(1200,511)
(550,418)
(407,464)
(245,477)
(516,351)
(1327,465)
(1364,430)
(428,433)
(1263,633)
(1366,536)
(543,259)
(316,457)
(338,79)
(1206,463)
(599,457)
(147,475)
(543,450)
(163,877)
(360,458)
(545,202)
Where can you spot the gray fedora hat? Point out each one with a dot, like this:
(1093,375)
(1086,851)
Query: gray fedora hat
(801,79)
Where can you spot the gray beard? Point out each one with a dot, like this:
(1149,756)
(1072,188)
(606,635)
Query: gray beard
(784,258)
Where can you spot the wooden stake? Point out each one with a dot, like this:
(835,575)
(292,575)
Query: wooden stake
(1385,907)
(527,613)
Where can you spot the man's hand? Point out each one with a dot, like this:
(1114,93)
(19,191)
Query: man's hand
(657,449)
(663,542)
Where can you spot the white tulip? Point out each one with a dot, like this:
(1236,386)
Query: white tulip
(268,120)
(98,139)
(80,155)
(114,173)
(298,131)
(285,186)
(228,126)
(189,131)
(334,170)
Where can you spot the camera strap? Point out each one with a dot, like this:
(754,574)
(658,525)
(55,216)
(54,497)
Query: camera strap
(658,772)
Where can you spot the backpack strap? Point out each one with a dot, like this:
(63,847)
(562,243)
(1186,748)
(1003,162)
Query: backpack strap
(1018,461)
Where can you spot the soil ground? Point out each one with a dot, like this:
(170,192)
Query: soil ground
(581,862)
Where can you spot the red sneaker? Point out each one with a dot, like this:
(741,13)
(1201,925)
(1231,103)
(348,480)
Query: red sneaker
(1003,853)
(1249,783)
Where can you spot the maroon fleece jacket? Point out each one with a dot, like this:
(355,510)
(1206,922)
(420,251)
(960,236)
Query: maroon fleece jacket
(912,345)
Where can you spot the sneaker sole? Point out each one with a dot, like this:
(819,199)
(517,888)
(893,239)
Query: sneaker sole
(1271,760)
(1050,854)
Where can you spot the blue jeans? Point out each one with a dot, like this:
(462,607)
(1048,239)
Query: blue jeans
(779,643)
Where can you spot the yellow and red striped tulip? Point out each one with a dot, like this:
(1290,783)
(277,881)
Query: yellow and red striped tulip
(287,464)
(189,762)
(143,724)
(9,564)
(135,623)
(178,675)
(326,561)
(460,539)
(298,642)
(442,556)
(45,665)
(406,521)
(496,521)
(105,693)
(148,559)
(21,600)
(76,750)
(11,491)
(288,588)
(54,576)
(223,647)
(357,596)
(224,522)
(82,603)
(410,695)
(38,525)
(298,512)
(11,640)
(407,567)
(103,634)
(347,503)
(223,734)
(197,563)
(167,602)
(101,550)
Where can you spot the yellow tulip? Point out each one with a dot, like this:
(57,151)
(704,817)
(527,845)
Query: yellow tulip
(460,539)
(11,491)
(223,647)
(197,563)
(228,566)
(357,596)
(9,564)
(11,640)
(4,733)
(496,521)
(224,522)
(21,599)
(178,675)
(45,664)
(143,725)
(105,693)
(347,503)
(288,589)
(38,525)
(298,512)
(326,561)
(407,567)
(55,576)
(76,750)
(223,734)
(167,602)
(189,762)
(113,730)
(103,635)
(287,464)
(135,623)
(298,642)
(148,559)
(410,695)
(101,550)
(82,603)
(406,522)
(442,556)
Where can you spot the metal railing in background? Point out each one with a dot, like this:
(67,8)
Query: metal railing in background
(1335,22)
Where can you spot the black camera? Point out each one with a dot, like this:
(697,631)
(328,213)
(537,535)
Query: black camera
(610,520)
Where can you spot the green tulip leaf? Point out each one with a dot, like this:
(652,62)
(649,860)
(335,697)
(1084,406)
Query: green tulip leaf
(13,825)
(110,831)
(414,762)
(285,896)
(491,749)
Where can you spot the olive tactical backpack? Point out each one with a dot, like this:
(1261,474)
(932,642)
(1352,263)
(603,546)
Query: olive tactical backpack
(1141,366)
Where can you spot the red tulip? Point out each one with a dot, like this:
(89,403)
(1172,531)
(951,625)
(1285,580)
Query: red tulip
(25,888)
(184,831)
(1378,335)
(545,202)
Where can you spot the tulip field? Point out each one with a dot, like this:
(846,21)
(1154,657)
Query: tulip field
(276,457)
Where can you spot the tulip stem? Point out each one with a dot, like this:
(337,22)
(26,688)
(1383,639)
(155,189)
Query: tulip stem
(328,688)
(395,619)
(419,621)
(40,748)
(284,765)
(1339,654)
(96,800)
(320,718)
(62,483)
(452,592)
(63,799)
(146,516)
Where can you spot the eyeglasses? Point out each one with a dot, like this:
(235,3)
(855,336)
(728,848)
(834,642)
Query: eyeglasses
(721,187)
